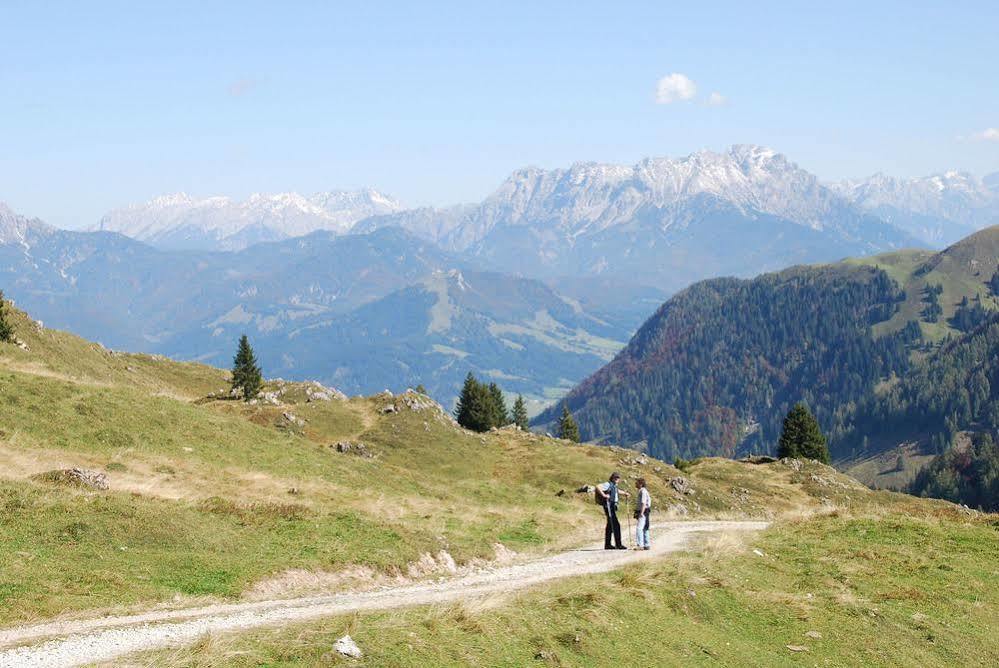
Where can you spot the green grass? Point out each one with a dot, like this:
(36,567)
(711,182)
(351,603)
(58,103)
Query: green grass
(211,498)
(201,500)
(881,590)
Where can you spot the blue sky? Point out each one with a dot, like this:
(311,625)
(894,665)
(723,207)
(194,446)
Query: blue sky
(109,103)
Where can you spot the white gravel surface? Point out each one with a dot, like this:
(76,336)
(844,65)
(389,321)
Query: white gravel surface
(79,642)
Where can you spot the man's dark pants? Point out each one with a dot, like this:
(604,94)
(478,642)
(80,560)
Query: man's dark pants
(613,526)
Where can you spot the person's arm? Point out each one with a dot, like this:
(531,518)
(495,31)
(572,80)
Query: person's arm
(602,493)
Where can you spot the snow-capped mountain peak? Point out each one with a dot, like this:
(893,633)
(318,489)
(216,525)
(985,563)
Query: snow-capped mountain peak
(181,221)
(939,208)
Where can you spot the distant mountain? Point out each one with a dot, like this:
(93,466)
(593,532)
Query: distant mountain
(938,209)
(865,342)
(662,222)
(516,331)
(179,222)
(20,230)
(364,312)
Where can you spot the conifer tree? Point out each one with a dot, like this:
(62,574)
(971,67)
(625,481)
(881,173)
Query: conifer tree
(801,436)
(6,329)
(498,416)
(246,374)
(520,413)
(419,389)
(475,409)
(567,427)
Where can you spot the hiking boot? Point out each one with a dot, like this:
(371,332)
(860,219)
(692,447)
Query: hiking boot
(647,547)
(620,547)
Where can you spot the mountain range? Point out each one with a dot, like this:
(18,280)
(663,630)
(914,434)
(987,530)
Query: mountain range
(589,250)
(938,209)
(180,222)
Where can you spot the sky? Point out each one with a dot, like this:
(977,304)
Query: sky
(104,104)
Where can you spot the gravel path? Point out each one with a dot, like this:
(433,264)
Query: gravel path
(78,642)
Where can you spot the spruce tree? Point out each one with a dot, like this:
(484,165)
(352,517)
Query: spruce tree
(520,413)
(801,436)
(6,329)
(245,372)
(567,427)
(498,416)
(475,409)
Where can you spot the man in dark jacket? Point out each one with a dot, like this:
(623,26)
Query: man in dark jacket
(610,493)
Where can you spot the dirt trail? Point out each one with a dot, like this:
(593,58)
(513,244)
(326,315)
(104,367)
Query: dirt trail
(78,642)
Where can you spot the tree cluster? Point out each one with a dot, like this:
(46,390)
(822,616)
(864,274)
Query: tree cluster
(481,406)
(967,475)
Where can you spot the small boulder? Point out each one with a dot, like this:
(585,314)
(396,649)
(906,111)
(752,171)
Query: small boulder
(389,409)
(78,477)
(346,646)
(681,485)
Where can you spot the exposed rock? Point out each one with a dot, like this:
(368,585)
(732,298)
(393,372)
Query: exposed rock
(318,392)
(359,449)
(814,635)
(292,419)
(270,398)
(389,409)
(346,646)
(797,648)
(794,464)
(681,485)
(78,477)
(678,509)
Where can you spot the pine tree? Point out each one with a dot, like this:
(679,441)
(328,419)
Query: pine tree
(498,416)
(520,413)
(6,329)
(419,389)
(476,408)
(245,372)
(993,283)
(567,427)
(801,436)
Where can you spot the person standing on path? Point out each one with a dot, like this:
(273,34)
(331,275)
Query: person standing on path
(643,508)
(610,494)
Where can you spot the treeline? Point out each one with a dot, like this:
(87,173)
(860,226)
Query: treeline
(482,407)
(963,475)
(956,388)
(718,367)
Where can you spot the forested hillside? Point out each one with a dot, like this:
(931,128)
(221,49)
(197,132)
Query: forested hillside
(717,367)
(900,349)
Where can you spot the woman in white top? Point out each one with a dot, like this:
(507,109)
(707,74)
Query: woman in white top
(643,507)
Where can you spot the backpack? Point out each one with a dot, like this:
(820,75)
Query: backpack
(597,499)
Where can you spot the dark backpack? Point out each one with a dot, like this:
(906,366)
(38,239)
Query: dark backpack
(597,499)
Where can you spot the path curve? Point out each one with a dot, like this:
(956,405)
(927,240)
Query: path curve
(79,642)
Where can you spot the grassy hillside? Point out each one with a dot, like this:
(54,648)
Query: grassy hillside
(211,497)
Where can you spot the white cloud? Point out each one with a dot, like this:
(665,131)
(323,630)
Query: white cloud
(989,134)
(675,88)
(717,100)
